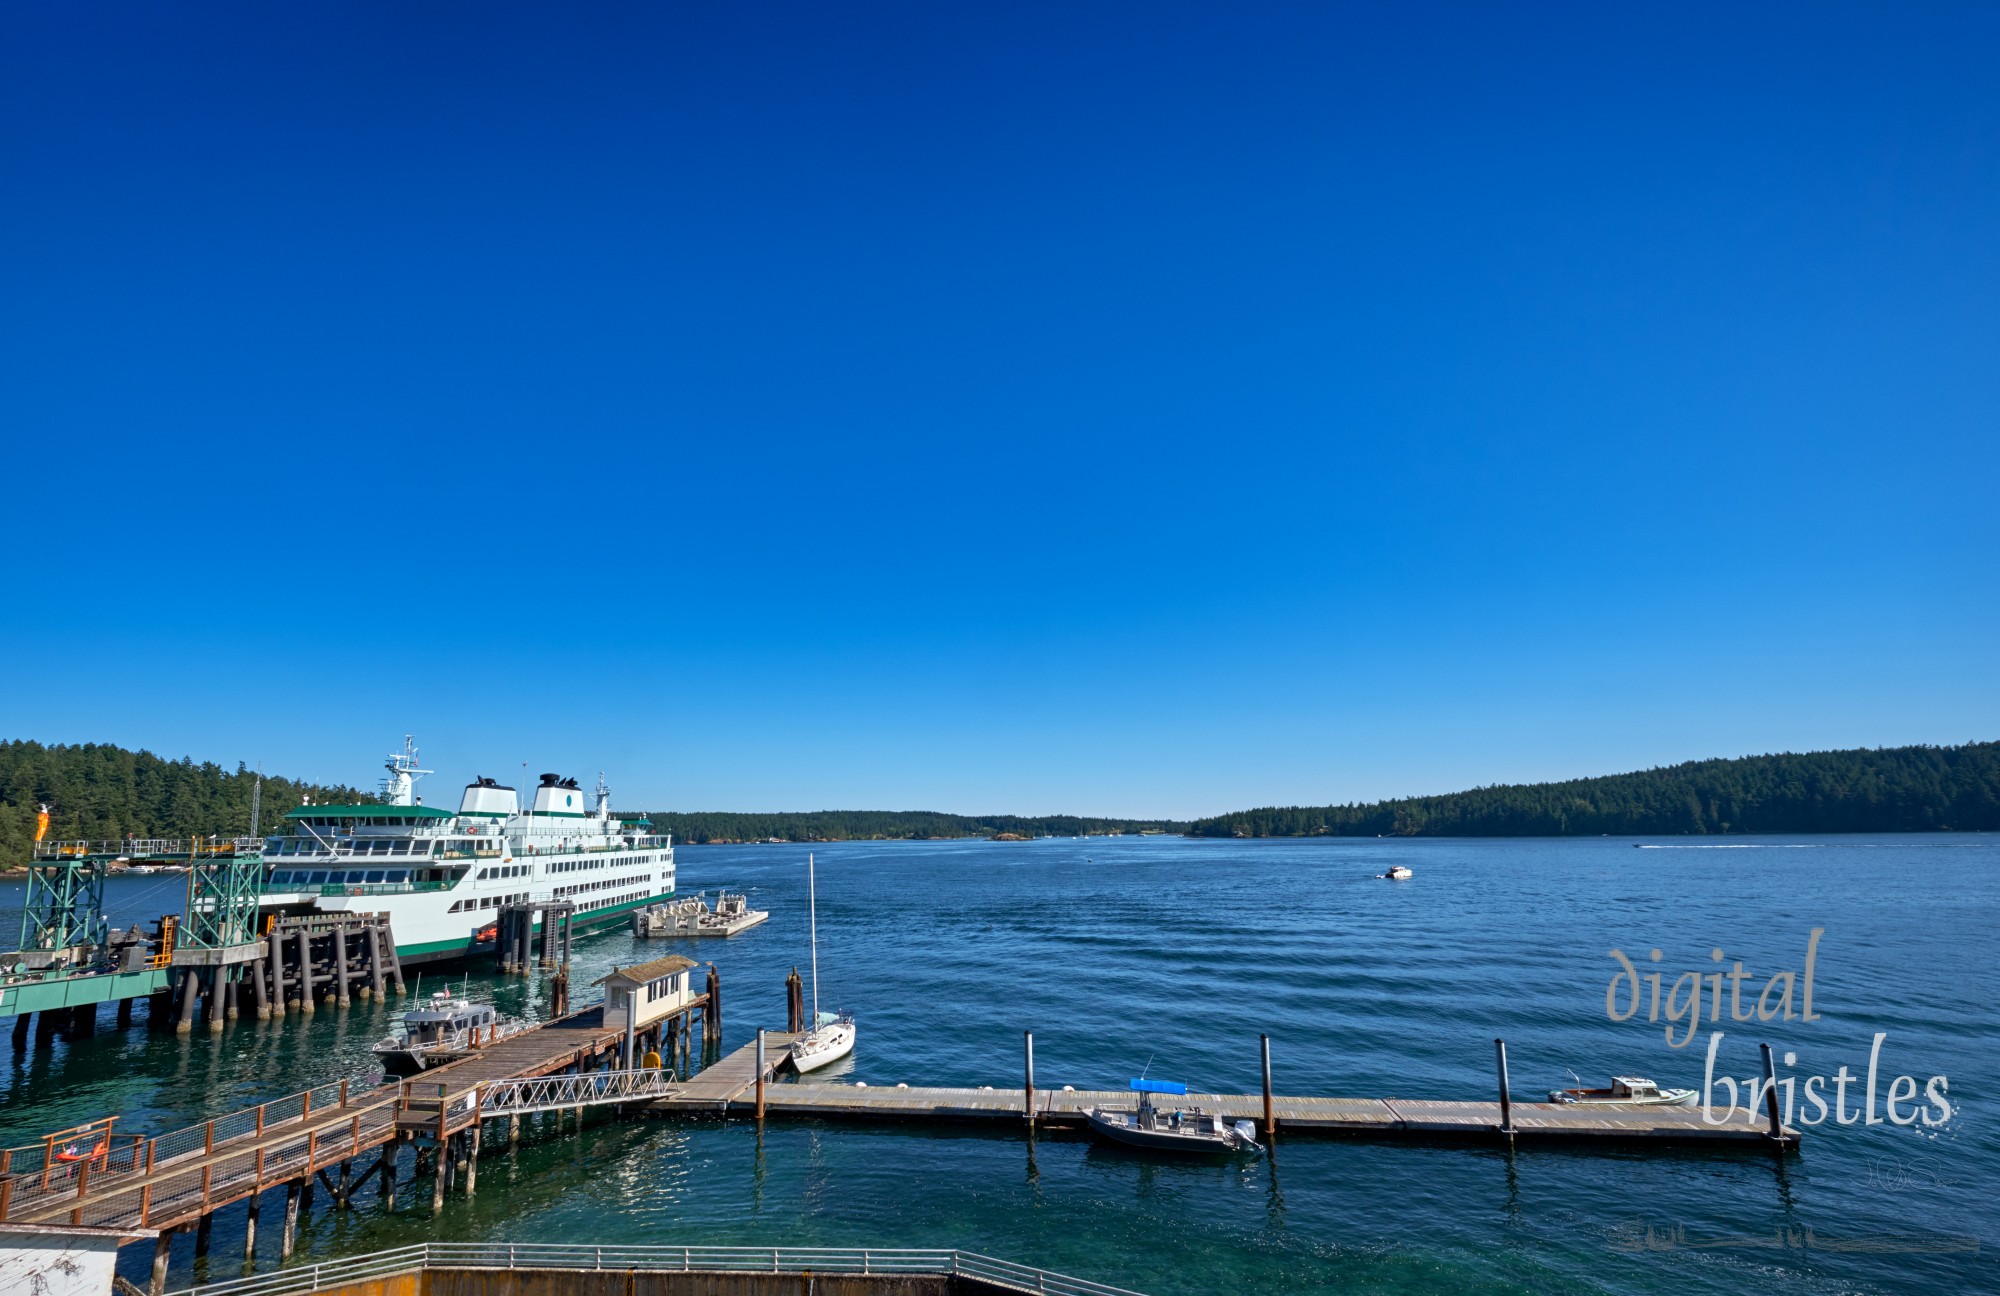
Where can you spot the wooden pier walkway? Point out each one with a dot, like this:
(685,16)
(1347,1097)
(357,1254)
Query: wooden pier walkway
(93,1176)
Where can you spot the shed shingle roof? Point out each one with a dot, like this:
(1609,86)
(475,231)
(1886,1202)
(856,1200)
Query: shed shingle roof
(640,973)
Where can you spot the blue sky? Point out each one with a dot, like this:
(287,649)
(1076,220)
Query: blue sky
(1158,409)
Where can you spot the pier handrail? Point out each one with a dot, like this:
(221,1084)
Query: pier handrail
(560,1255)
(33,1181)
(588,1089)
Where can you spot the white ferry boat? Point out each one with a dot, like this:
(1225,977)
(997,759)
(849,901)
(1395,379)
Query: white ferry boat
(442,875)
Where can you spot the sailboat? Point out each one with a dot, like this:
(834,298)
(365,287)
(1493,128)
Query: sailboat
(832,1035)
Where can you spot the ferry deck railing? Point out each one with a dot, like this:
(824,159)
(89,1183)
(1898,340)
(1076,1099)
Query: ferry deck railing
(886,1261)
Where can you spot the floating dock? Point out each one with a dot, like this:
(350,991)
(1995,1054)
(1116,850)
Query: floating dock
(730,1087)
(690,916)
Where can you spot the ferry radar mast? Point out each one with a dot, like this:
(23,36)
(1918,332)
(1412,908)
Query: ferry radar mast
(400,785)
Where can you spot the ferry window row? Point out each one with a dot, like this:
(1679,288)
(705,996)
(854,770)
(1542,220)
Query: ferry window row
(363,846)
(582,888)
(471,903)
(607,861)
(503,870)
(608,901)
(339,877)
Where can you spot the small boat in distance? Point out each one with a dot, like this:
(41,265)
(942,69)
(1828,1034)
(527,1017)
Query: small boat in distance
(831,1036)
(1179,1129)
(1625,1091)
(443,1030)
(1396,872)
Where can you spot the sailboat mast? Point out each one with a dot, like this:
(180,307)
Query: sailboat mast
(812,909)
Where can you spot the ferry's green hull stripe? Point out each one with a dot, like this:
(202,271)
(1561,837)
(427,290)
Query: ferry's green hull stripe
(583,921)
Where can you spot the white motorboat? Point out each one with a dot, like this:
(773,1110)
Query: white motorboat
(1396,872)
(445,1029)
(1174,1129)
(832,1035)
(1625,1091)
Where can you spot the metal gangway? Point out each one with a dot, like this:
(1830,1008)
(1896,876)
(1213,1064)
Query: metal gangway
(563,1092)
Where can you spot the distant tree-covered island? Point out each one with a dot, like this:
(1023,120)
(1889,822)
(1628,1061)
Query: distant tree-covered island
(1888,789)
(701,828)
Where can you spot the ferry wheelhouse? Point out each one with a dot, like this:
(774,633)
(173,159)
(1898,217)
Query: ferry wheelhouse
(442,875)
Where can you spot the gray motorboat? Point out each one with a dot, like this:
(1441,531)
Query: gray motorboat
(1170,1129)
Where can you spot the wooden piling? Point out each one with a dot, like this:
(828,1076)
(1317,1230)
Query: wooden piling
(190,986)
(761,1068)
(305,973)
(289,1236)
(342,998)
(1506,1099)
(250,1209)
(375,959)
(1270,1118)
(1771,1095)
(163,1249)
(276,968)
(260,990)
(1028,1075)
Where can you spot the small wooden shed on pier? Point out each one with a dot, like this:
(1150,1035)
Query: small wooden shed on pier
(652,990)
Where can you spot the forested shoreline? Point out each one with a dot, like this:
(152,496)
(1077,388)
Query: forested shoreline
(1888,789)
(102,792)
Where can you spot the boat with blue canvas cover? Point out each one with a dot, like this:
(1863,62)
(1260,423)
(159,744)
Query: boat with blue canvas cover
(1171,1128)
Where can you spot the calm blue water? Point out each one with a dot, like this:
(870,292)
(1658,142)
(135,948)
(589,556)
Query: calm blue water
(1120,952)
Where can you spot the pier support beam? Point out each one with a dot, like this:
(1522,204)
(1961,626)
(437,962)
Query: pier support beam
(472,1160)
(190,986)
(21,1029)
(305,973)
(341,998)
(375,959)
(290,1234)
(250,1211)
(125,1012)
(260,989)
(163,1250)
(441,1160)
(760,1075)
(1506,1099)
(274,967)
(203,1227)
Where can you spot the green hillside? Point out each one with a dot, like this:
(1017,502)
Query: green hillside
(1889,789)
(99,792)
